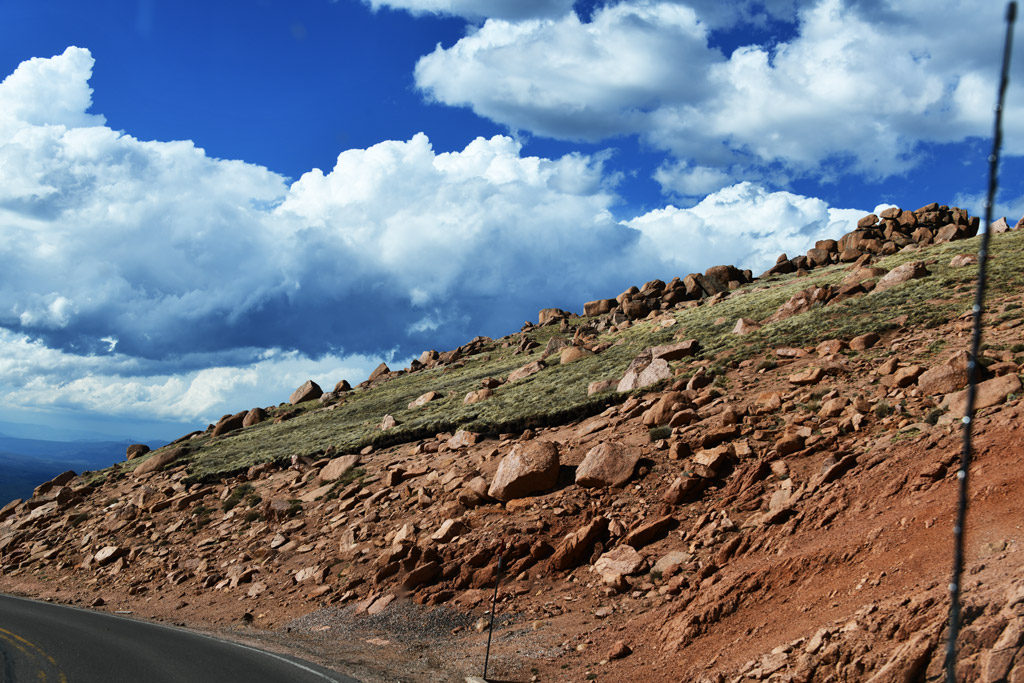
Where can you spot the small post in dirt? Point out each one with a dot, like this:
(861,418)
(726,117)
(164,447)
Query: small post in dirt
(490,631)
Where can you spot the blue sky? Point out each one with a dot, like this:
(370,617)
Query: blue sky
(204,204)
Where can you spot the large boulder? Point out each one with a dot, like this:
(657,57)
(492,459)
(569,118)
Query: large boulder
(999,226)
(159,460)
(135,450)
(463,439)
(677,351)
(527,370)
(947,377)
(720,277)
(901,274)
(530,467)
(697,287)
(254,416)
(307,392)
(989,393)
(639,378)
(230,423)
(803,301)
(598,307)
(819,257)
(571,354)
(424,399)
(576,547)
(336,468)
(636,309)
(951,232)
(624,560)
(867,221)
(380,371)
(477,396)
(547,315)
(607,464)
(667,406)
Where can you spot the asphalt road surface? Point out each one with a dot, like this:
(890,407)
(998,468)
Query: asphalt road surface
(45,642)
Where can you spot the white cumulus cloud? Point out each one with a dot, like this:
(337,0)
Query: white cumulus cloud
(147,278)
(860,85)
(743,225)
(479,9)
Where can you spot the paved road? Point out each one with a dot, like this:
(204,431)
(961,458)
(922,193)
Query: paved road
(44,642)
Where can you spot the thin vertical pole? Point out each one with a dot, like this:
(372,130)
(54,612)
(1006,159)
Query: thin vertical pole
(494,603)
(972,367)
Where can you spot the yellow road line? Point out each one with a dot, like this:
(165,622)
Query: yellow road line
(17,641)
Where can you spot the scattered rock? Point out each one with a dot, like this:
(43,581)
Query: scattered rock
(527,370)
(678,351)
(424,399)
(135,450)
(448,530)
(864,342)
(711,462)
(108,554)
(989,393)
(254,416)
(576,546)
(571,354)
(900,274)
(649,532)
(962,260)
(380,604)
(477,396)
(463,439)
(338,467)
(623,560)
(684,489)
(803,301)
(307,392)
(830,347)
(946,377)
(672,561)
(790,443)
(657,371)
(745,326)
(620,650)
(809,376)
(903,377)
(379,372)
(607,464)
(547,315)
(530,467)
(159,460)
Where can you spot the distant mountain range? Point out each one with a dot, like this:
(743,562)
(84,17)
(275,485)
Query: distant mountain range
(26,463)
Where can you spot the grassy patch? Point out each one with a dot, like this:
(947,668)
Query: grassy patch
(656,433)
(238,494)
(559,393)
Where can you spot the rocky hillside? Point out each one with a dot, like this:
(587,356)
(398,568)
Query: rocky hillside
(717,478)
